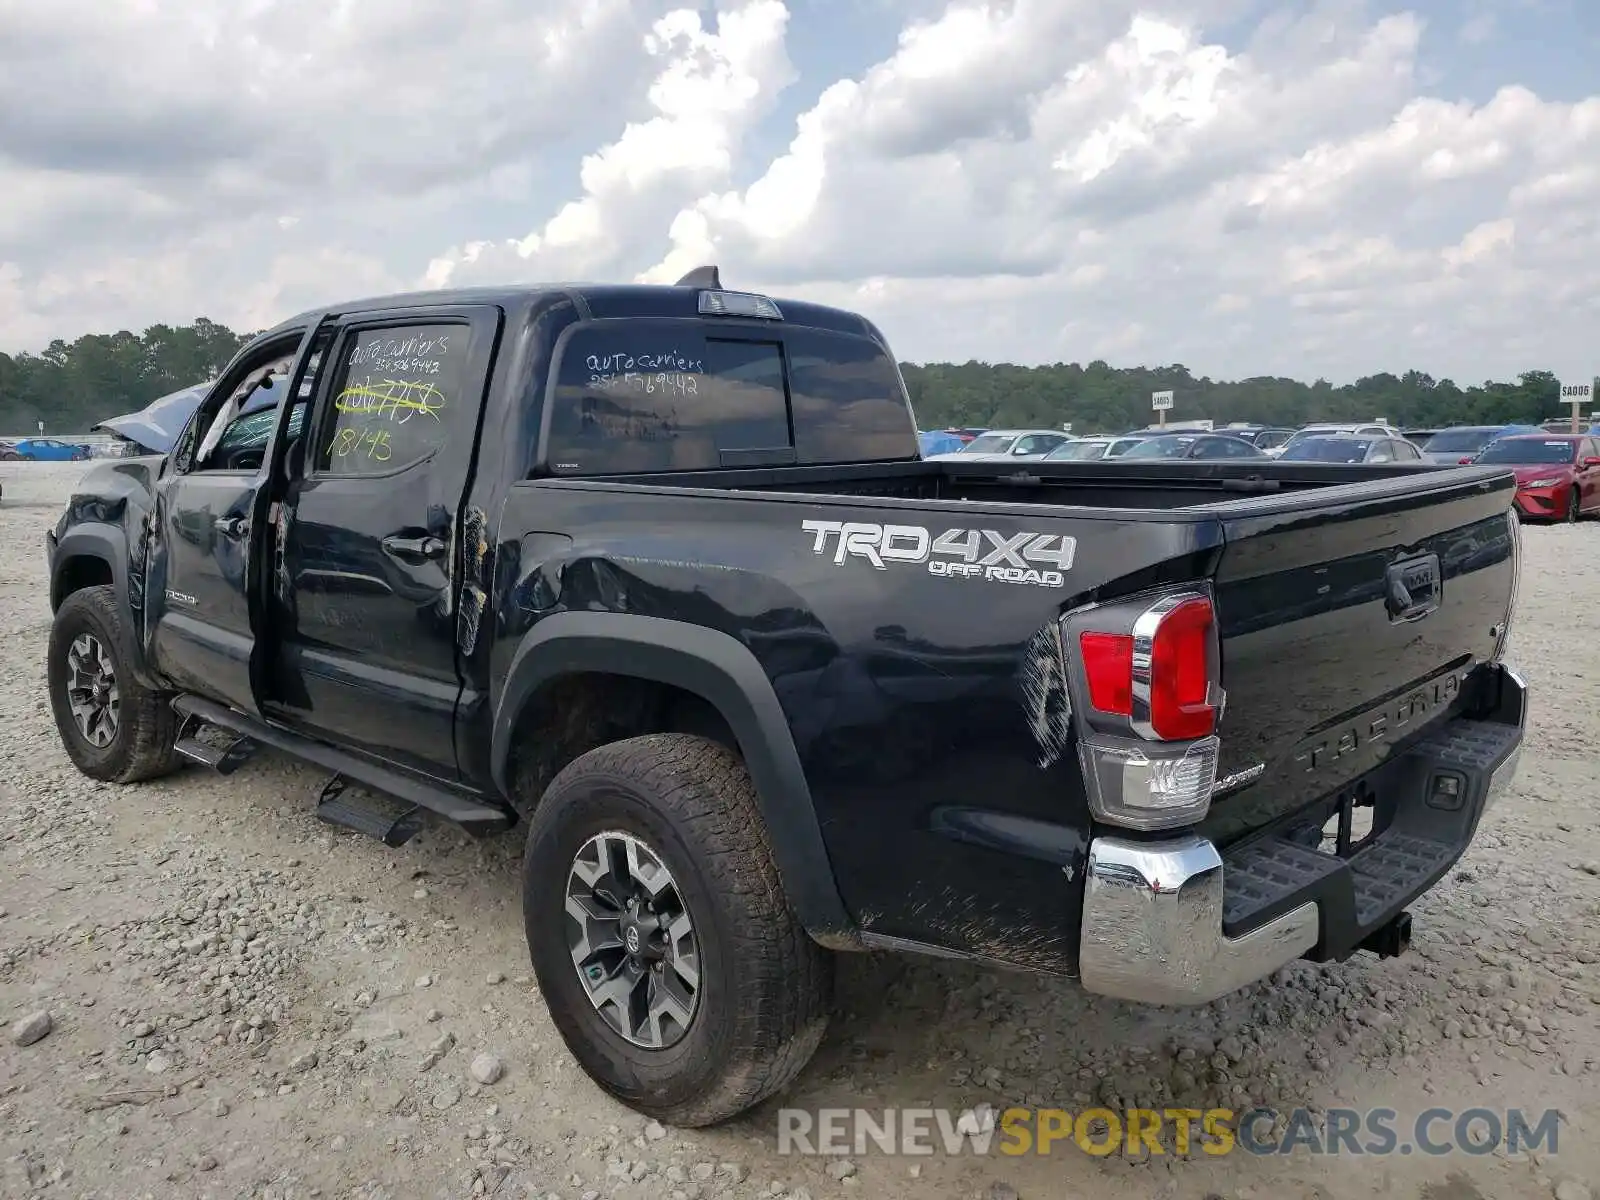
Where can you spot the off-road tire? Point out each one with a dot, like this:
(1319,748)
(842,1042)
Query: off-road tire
(765,985)
(142,747)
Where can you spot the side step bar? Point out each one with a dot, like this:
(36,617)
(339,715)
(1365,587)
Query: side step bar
(374,816)
(474,816)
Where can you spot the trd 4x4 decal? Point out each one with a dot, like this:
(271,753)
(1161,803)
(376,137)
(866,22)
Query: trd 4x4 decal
(1042,559)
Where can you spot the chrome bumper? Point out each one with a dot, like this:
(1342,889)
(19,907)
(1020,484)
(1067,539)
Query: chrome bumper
(1152,926)
(1152,920)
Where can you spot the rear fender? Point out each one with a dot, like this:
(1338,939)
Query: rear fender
(722,671)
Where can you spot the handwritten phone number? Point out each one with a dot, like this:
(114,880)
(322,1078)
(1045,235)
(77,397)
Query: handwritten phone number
(671,382)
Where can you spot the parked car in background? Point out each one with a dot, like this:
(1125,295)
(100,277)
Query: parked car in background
(1420,437)
(43,449)
(1364,428)
(1262,437)
(1010,443)
(1192,445)
(1459,443)
(1351,448)
(1558,475)
(1090,448)
(938,442)
(966,432)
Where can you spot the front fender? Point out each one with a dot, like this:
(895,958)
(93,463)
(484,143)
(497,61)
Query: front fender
(102,544)
(723,672)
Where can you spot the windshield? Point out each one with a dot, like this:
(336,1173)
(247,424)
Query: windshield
(1326,449)
(1161,447)
(1079,451)
(1530,450)
(1460,441)
(990,443)
(1119,448)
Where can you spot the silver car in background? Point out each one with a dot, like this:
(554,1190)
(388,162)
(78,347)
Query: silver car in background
(999,445)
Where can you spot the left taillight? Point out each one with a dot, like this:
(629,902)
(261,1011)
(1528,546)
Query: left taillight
(1146,675)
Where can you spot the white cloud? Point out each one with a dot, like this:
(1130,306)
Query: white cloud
(1289,206)
(1025,179)
(146,140)
(712,85)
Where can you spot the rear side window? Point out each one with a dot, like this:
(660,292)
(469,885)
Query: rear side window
(642,396)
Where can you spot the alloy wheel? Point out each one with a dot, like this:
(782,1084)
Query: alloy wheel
(92,690)
(632,940)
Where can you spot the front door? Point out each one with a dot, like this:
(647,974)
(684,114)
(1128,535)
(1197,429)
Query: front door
(200,625)
(364,614)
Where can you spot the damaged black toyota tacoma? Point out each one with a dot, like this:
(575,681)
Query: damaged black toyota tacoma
(656,576)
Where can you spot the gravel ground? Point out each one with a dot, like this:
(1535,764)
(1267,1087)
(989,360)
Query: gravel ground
(243,1002)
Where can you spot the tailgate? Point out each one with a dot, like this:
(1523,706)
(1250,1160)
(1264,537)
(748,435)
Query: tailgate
(1349,618)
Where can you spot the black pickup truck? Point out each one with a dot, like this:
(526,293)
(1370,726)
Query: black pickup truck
(657,573)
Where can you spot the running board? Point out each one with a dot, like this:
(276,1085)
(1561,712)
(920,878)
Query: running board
(222,757)
(375,816)
(467,811)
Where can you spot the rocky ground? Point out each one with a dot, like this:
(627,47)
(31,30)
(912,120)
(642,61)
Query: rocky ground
(241,1002)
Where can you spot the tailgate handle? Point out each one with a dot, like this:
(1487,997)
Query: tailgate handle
(1412,587)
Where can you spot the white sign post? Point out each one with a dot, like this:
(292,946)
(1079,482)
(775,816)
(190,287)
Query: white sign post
(1161,402)
(1578,394)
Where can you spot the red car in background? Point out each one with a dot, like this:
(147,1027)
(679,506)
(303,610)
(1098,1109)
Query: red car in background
(1558,475)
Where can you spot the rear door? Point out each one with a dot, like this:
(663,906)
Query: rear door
(202,617)
(369,536)
(1349,617)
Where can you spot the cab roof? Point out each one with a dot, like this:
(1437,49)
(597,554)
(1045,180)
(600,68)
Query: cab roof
(595,300)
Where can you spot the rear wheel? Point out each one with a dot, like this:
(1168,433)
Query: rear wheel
(671,962)
(112,726)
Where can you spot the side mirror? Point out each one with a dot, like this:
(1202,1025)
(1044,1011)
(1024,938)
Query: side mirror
(1464,460)
(294,461)
(1591,461)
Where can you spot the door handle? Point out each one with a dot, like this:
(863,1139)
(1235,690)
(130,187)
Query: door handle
(230,527)
(413,549)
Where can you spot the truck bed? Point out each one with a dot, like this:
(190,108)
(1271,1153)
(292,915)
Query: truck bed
(1301,557)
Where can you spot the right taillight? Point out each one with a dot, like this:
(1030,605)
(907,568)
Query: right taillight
(1180,673)
(1147,675)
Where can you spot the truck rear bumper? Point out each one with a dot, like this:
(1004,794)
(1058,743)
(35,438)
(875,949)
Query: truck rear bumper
(1181,922)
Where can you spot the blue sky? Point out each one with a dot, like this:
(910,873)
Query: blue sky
(1310,188)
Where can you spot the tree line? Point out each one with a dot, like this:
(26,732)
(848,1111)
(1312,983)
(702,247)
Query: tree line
(72,385)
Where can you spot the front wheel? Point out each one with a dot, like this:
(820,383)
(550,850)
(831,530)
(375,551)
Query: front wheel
(112,726)
(1574,509)
(672,964)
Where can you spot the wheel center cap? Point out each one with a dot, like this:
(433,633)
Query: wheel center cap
(632,940)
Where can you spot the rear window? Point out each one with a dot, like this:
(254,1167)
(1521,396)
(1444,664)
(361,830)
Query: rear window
(1530,450)
(1161,447)
(990,443)
(640,396)
(1078,451)
(1461,440)
(1328,450)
